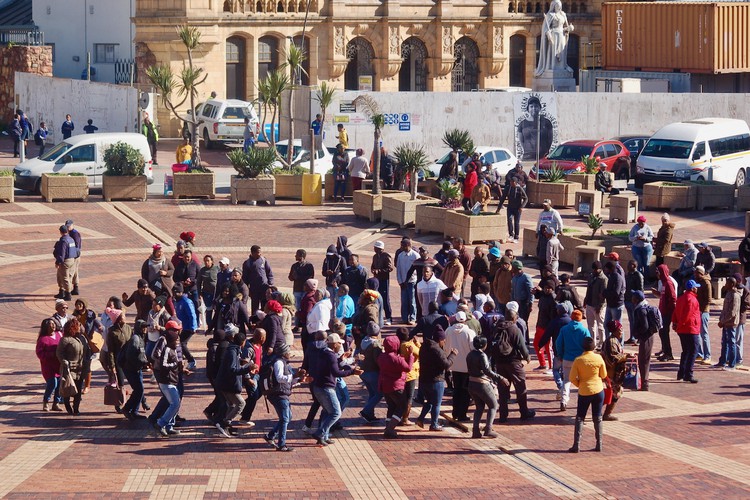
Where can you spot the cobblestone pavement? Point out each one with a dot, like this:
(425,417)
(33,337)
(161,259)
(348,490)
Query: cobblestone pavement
(679,440)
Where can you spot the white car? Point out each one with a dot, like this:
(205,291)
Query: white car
(301,156)
(223,121)
(501,159)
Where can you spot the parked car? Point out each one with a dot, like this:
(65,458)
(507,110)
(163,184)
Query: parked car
(501,159)
(635,144)
(83,154)
(222,121)
(301,156)
(568,156)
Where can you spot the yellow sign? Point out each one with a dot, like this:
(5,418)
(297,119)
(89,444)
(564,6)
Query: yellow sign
(341,119)
(365,83)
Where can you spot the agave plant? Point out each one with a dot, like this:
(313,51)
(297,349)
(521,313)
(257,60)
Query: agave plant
(412,158)
(450,193)
(595,223)
(459,140)
(270,90)
(371,108)
(255,162)
(555,174)
(590,164)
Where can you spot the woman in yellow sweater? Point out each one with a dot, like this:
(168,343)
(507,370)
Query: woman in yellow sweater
(588,373)
(411,376)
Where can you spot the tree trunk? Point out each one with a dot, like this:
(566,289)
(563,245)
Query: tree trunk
(290,148)
(376,163)
(413,180)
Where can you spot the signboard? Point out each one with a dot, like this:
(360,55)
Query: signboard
(365,83)
(347,107)
(584,209)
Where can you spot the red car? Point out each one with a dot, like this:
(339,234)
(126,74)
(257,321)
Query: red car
(568,157)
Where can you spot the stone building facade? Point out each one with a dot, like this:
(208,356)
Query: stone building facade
(23,58)
(380,45)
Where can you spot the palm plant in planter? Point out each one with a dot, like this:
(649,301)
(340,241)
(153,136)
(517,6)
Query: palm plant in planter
(124,177)
(256,162)
(459,140)
(450,194)
(412,159)
(252,182)
(371,108)
(595,224)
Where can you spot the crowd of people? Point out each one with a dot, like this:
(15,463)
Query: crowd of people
(466,330)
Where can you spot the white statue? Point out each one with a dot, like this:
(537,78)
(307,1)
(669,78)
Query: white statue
(553,50)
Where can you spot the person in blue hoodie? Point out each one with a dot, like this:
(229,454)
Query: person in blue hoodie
(569,346)
(185,312)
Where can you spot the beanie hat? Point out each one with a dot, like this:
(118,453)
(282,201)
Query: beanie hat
(113,313)
(439,334)
(178,288)
(274,306)
(576,315)
(372,329)
(512,306)
(161,300)
(373,283)
(312,284)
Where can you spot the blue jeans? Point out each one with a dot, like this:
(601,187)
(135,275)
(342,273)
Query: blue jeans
(298,299)
(52,387)
(408,303)
(557,371)
(611,313)
(331,413)
(433,394)
(642,255)
(342,392)
(339,188)
(284,411)
(729,346)
(208,300)
(247,144)
(704,344)
(370,379)
(333,291)
(514,222)
(149,349)
(172,395)
(135,379)
(740,338)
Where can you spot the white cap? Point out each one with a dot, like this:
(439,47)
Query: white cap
(379,244)
(334,339)
(224,261)
(461,316)
(512,306)
(260,314)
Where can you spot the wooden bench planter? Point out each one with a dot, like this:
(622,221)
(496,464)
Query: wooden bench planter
(402,211)
(7,190)
(475,228)
(288,186)
(429,219)
(664,195)
(242,190)
(370,206)
(126,187)
(194,185)
(65,187)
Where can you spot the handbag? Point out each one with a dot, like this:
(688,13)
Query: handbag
(113,395)
(632,377)
(607,391)
(96,343)
(68,387)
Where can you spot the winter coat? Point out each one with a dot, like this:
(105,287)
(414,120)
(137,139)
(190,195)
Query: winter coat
(46,351)
(70,351)
(687,314)
(547,309)
(595,291)
(570,341)
(135,354)
(704,293)
(668,296)
(521,288)
(663,240)
(230,372)
(517,340)
(393,367)
(433,362)
(516,196)
(479,367)
(453,275)
(355,277)
(116,340)
(615,291)
(169,371)
(143,303)
(257,274)
(184,272)
(149,272)
(730,313)
(274,332)
(333,266)
(323,367)
(185,312)
(459,337)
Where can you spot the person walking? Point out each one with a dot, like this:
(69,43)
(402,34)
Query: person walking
(167,370)
(588,373)
(65,253)
(517,200)
(133,361)
(283,380)
(481,377)
(641,237)
(370,350)
(46,350)
(185,312)
(258,276)
(152,136)
(382,266)
(392,380)
(299,273)
(343,136)
(229,381)
(687,324)
(433,364)
(70,352)
(569,346)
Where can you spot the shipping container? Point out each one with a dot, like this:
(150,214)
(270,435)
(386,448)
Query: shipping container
(690,37)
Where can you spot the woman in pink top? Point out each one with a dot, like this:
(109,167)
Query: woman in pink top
(46,351)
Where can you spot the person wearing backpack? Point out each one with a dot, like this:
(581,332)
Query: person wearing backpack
(280,384)
(645,326)
(134,361)
(229,382)
(569,346)
(508,353)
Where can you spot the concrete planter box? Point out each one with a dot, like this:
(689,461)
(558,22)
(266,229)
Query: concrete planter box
(429,187)
(288,186)
(330,182)
(370,206)
(475,228)
(7,191)
(661,196)
(625,252)
(429,219)
(672,260)
(587,181)
(65,187)
(571,241)
(402,211)
(262,188)
(714,196)
(194,185)
(562,194)
(529,240)
(126,187)
(743,198)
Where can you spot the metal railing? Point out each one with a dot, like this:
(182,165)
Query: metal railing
(21,36)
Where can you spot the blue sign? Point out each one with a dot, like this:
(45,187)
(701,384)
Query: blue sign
(404,126)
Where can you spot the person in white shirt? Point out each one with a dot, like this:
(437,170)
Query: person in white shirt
(359,167)
(429,288)
(319,316)
(405,257)
(460,337)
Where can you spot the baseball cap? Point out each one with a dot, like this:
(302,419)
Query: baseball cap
(224,261)
(547,201)
(494,251)
(379,244)
(641,218)
(517,264)
(461,316)
(613,256)
(172,325)
(691,284)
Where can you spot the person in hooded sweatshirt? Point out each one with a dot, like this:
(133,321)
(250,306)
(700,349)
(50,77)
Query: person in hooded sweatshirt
(371,349)
(392,380)
(342,248)
(481,377)
(433,364)
(551,333)
(460,337)
(333,265)
(229,382)
(215,348)
(570,345)
(271,323)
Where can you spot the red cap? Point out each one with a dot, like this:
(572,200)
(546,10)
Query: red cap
(172,325)
(613,256)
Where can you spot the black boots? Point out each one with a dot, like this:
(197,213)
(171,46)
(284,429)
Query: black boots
(74,291)
(390,428)
(577,436)
(60,294)
(608,412)
(598,432)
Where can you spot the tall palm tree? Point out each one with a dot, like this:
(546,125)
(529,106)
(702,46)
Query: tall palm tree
(294,57)
(270,90)
(371,108)
(324,96)
(412,158)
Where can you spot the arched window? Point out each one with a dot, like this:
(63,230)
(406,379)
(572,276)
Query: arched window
(465,72)
(280,7)
(268,55)
(537,8)
(236,76)
(528,8)
(517,61)
(259,6)
(413,73)
(511,7)
(360,54)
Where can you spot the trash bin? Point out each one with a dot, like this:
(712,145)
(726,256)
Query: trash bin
(312,189)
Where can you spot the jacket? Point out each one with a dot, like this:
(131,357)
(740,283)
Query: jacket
(469,182)
(502,285)
(517,339)
(403,262)
(185,312)
(730,313)
(644,231)
(70,351)
(169,370)
(207,280)
(135,354)
(393,367)
(663,241)
(668,296)
(65,248)
(460,337)
(633,281)
(568,292)
(414,372)
(319,317)
(547,308)
(615,291)
(371,349)
(323,367)
(299,273)
(282,372)
(274,332)
(355,277)
(382,266)
(640,321)
(257,274)
(433,362)
(516,197)
(479,368)
(150,272)
(46,351)
(687,314)
(551,219)
(704,293)
(143,303)
(117,337)
(230,372)
(521,288)
(453,275)
(570,341)
(552,332)
(333,266)
(587,373)
(707,260)
(595,291)
(744,305)
(184,272)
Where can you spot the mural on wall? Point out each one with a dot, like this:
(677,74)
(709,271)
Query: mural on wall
(534,111)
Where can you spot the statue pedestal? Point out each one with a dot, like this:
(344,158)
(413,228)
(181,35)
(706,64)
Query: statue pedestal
(554,81)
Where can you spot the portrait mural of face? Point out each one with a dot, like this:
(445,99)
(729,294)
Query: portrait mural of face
(536,124)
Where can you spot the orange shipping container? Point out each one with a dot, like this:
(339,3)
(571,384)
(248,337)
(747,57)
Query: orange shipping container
(687,37)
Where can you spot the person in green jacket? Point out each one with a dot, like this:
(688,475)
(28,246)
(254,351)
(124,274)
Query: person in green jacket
(152,136)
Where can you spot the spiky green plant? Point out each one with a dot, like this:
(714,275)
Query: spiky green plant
(555,173)
(255,162)
(412,158)
(590,164)
(324,96)
(450,193)
(459,140)
(595,223)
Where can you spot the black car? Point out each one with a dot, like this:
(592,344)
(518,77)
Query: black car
(635,144)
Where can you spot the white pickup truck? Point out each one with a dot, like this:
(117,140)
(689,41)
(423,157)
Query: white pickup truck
(223,121)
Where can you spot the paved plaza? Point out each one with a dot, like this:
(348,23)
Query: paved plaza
(678,440)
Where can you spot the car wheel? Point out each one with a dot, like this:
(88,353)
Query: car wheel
(38,187)
(207,140)
(740,178)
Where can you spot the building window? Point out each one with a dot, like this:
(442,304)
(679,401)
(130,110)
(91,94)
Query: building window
(267,56)
(104,52)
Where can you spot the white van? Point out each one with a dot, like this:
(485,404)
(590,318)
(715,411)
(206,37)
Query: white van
(83,154)
(705,149)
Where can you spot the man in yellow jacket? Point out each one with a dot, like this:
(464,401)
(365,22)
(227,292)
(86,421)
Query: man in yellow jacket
(184,153)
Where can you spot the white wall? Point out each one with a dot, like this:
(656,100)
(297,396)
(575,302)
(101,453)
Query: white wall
(489,116)
(74,29)
(114,108)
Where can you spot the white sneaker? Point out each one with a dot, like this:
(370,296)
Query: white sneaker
(548,372)
(223,431)
(307,430)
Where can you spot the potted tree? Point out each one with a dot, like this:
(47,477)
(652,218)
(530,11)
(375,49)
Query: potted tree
(371,109)
(57,186)
(587,177)
(7,190)
(124,178)
(252,182)
(561,192)
(430,217)
(411,159)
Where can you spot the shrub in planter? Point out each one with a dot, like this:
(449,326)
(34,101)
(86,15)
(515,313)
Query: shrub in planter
(253,182)
(7,190)
(124,178)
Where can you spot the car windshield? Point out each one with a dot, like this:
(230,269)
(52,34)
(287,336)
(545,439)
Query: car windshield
(283,148)
(569,152)
(237,113)
(444,159)
(664,148)
(56,152)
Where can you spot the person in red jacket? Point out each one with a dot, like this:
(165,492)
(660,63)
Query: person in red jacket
(392,380)
(470,180)
(687,324)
